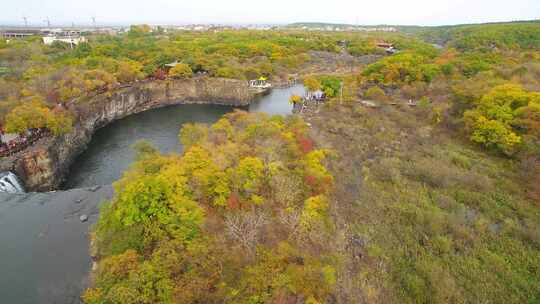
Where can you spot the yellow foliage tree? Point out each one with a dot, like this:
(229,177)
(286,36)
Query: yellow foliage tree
(181,70)
(312,84)
(129,71)
(314,211)
(492,122)
(295,99)
(28,115)
(34,114)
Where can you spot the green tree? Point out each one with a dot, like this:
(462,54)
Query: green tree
(149,201)
(249,175)
(331,85)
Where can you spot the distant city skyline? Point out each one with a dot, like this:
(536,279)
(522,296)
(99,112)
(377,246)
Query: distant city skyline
(177,12)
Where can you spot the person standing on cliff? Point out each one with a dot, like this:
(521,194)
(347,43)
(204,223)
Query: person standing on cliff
(1,135)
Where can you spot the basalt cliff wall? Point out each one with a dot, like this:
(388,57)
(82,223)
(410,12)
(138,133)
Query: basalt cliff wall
(43,166)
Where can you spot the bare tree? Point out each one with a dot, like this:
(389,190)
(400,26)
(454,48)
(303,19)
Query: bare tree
(287,189)
(245,228)
(291,219)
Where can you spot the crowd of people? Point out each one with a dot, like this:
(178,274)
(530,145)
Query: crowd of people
(301,104)
(21,142)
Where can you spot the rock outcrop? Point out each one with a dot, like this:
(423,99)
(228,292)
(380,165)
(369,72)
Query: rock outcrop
(43,166)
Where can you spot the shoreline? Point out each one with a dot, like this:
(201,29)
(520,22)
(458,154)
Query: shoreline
(44,165)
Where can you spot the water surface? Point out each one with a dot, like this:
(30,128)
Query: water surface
(44,245)
(110,152)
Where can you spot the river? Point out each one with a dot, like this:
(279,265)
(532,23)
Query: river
(44,244)
(110,152)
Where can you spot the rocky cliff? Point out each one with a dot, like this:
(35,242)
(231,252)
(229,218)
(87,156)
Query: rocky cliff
(43,166)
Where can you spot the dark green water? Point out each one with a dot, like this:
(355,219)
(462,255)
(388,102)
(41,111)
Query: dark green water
(43,244)
(110,152)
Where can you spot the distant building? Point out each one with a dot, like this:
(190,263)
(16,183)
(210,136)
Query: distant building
(385,45)
(61,32)
(70,36)
(17,33)
(388,47)
(69,39)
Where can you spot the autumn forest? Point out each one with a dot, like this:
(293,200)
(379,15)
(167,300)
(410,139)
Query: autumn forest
(416,180)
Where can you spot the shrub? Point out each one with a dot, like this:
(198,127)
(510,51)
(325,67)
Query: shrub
(129,71)
(230,72)
(181,70)
(312,84)
(295,99)
(375,93)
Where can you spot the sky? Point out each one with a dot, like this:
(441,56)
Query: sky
(396,12)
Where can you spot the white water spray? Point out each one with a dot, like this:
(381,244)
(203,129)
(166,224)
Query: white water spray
(9,183)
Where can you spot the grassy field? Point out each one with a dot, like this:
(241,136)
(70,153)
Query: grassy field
(423,216)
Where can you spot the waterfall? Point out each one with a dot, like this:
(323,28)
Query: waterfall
(10,183)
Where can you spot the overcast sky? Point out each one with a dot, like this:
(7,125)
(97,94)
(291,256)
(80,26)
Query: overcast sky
(421,12)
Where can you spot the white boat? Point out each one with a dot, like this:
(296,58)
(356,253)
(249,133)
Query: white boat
(260,84)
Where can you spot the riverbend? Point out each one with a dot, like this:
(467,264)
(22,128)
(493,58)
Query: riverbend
(45,256)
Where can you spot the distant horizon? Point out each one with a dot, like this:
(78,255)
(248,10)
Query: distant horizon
(127,24)
(277,12)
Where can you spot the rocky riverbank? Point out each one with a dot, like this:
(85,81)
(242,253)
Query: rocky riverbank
(43,166)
